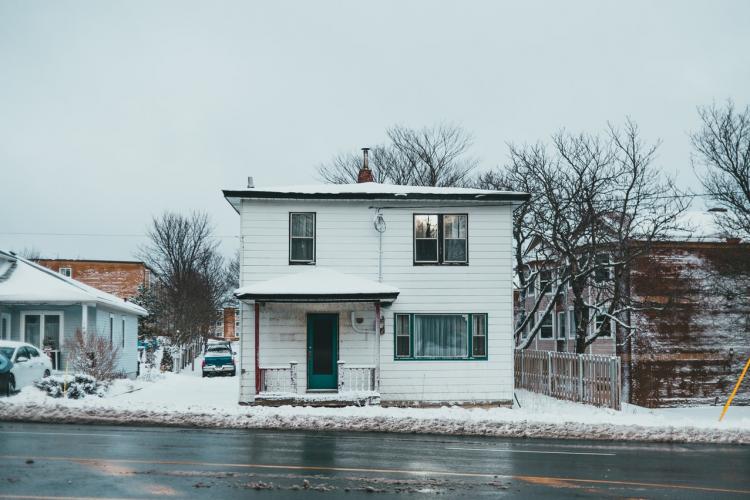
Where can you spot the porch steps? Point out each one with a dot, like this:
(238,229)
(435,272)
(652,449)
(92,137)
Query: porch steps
(318,399)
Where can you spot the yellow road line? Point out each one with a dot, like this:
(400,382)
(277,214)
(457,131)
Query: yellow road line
(383,471)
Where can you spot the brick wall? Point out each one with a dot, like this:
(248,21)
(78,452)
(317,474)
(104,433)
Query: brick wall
(118,278)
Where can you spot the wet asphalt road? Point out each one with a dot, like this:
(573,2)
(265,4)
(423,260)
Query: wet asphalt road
(74,461)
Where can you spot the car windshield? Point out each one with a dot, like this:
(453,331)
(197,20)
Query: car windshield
(7,351)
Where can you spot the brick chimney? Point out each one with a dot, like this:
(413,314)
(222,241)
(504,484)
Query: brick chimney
(365,174)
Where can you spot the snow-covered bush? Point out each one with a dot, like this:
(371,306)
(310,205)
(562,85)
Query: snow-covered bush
(93,355)
(75,386)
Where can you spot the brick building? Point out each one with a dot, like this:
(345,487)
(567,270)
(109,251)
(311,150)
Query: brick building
(118,277)
(228,324)
(693,334)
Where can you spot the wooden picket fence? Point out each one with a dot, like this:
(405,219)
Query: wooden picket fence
(585,378)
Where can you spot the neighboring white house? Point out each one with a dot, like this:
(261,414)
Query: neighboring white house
(373,291)
(44,308)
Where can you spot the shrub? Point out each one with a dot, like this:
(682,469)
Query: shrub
(167,362)
(75,386)
(93,355)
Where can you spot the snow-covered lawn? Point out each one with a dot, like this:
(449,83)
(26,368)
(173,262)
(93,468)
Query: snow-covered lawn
(186,399)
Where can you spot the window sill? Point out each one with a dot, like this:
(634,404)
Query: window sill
(441,264)
(301,263)
(441,359)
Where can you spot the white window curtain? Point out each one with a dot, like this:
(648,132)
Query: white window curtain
(441,336)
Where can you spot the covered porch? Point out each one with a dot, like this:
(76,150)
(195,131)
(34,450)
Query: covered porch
(316,339)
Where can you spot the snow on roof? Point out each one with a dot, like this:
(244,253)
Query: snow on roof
(30,282)
(372,190)
(318,282)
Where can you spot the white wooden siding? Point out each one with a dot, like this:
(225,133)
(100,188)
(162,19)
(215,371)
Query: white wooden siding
(346,241)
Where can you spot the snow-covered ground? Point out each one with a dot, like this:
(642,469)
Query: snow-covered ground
(186,399)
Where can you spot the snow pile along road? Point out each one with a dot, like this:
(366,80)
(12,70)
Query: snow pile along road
(188,400)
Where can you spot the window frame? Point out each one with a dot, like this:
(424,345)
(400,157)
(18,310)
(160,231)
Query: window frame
(440,240)
(543,290)
(68,269)
(540,319)
(469,333)
(612,325)
(572,326)
(562,320)
(42,313)
(293,262)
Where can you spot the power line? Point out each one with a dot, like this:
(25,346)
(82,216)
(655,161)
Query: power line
(99,235)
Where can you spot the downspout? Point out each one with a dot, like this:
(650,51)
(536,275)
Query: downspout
(380,227)
(377,347)
(257,347)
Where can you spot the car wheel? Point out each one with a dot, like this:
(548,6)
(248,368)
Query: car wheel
(46,373)
(12,385)
(203,375)
(233,373)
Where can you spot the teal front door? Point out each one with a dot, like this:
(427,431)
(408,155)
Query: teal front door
(322,351)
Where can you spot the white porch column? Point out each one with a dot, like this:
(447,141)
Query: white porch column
(84,317)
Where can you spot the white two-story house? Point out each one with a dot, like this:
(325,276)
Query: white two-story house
(374,292)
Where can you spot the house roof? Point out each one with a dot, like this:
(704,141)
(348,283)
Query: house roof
(318,285)
(23,281)
(372,191)
(94,261)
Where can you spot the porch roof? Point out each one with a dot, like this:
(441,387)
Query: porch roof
(318,285)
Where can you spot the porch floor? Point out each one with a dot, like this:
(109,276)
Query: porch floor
(328,399)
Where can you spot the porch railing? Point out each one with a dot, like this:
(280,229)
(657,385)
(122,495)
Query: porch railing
(586,378)
(281,379)
(356,378)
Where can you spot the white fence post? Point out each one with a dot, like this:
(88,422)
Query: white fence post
(549,373)
(341,375)
(293,375)
(580,378)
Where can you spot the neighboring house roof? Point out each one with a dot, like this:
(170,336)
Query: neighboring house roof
(24,281)
(372,191)
(97,261)
(318,285)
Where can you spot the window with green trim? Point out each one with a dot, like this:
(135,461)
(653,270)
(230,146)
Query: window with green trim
(440,336)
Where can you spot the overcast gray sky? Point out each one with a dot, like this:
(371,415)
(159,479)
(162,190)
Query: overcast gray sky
(113,111)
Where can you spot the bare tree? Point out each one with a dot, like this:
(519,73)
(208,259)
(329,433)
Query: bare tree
(722,146)
(597,204)
(190,274)
(431,156)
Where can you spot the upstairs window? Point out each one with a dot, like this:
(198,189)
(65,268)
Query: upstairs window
(546,330)
(66,271)
(441,239)
(302,238)
(562,324)
(545,281)
(602,272)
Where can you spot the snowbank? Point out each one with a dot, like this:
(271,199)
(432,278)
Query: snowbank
(188,400)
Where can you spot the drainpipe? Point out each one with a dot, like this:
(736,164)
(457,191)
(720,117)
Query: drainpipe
(377,347)
(379,224)
(257,347)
